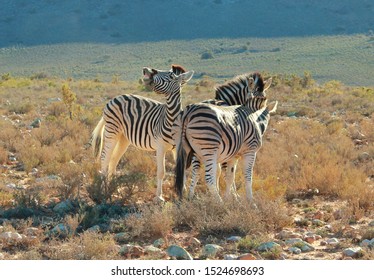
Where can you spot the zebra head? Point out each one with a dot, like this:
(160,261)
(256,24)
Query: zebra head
(258,86)
(166,82)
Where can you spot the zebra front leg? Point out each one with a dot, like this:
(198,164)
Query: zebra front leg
(160,155)
(248,164)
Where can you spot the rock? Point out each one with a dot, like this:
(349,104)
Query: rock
(353,252)
(267,246)
(310,239)
(371,224)
(296,201)
(230,257)
(121,237)
(95,228)
(133,251)
(36,123)
(323,243)
(11,186)
(159,243)
(178,252)
(211,250)
(318,215)
(285,234)
(247,257)
(61,230)
(367,243)
(195,242)
(32,231)
(332,241)
(10,237)
(152,250)
(295,250)
(298,242)
(233,239)
(64,207)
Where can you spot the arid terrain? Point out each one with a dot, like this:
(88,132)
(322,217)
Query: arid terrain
(313,179)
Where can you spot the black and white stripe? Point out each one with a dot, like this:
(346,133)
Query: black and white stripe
(141,122)
(237,91)
(217,134)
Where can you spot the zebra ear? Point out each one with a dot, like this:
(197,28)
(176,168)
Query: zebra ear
(267,83)
(177,69)
(185,77)
(272,107)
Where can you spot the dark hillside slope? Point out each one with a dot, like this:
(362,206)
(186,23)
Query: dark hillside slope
(40,22)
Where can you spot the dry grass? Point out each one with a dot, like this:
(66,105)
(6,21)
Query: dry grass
(320,140)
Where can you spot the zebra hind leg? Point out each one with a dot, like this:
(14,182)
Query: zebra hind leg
(118,152)
(211,171)
(195,176)
(248,163)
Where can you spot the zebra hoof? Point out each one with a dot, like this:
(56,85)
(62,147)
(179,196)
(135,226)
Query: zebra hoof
(159,199)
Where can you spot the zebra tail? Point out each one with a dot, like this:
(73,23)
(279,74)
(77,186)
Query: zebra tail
(97,138)
(180,170)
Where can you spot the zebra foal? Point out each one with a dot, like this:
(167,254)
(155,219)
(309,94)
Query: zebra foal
(218,134)
(141,122)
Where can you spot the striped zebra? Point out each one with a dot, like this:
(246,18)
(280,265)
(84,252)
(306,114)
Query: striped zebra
(237,91)
(141,122)
(218,134)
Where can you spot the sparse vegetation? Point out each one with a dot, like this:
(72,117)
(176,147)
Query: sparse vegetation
(318,149)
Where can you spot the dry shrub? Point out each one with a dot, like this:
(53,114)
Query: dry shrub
(87,246)
(306,154)
(151,221)
(3,155)
(210,217)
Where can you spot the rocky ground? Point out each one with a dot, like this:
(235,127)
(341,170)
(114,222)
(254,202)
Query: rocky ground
(319,231)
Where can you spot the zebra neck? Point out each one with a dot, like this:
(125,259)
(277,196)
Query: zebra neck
(173,107)
(255,104)
(263,120)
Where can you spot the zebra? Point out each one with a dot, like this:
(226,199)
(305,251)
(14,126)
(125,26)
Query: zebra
(237,91)
(217,134)
(142,122)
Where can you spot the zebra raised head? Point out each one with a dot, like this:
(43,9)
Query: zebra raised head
(142,122)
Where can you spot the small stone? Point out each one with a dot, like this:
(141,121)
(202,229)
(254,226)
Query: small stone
(11,237)
(61,231)
(318,215)
(323,243)
(310,239)
(332,241)
(297,242)
(36,123)
(353,252)
(64,207)
(195,242)
(95,228)
(371,224)
(32,231)
(178,252)
(230,257)
(11,186)
(211,250)
(367,243)
(159,243)
(247,257)
(150,249)
(295,250)
(296,201)
(233,239)
(121,237)
(133,251)
(267,246)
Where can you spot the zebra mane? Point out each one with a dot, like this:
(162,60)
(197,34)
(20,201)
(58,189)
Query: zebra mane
(235,91)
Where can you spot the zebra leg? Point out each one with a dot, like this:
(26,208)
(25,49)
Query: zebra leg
(160,155)
(248,163)
(211,172)
(195,176)
(110,142)
(119,150)
(230,168)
